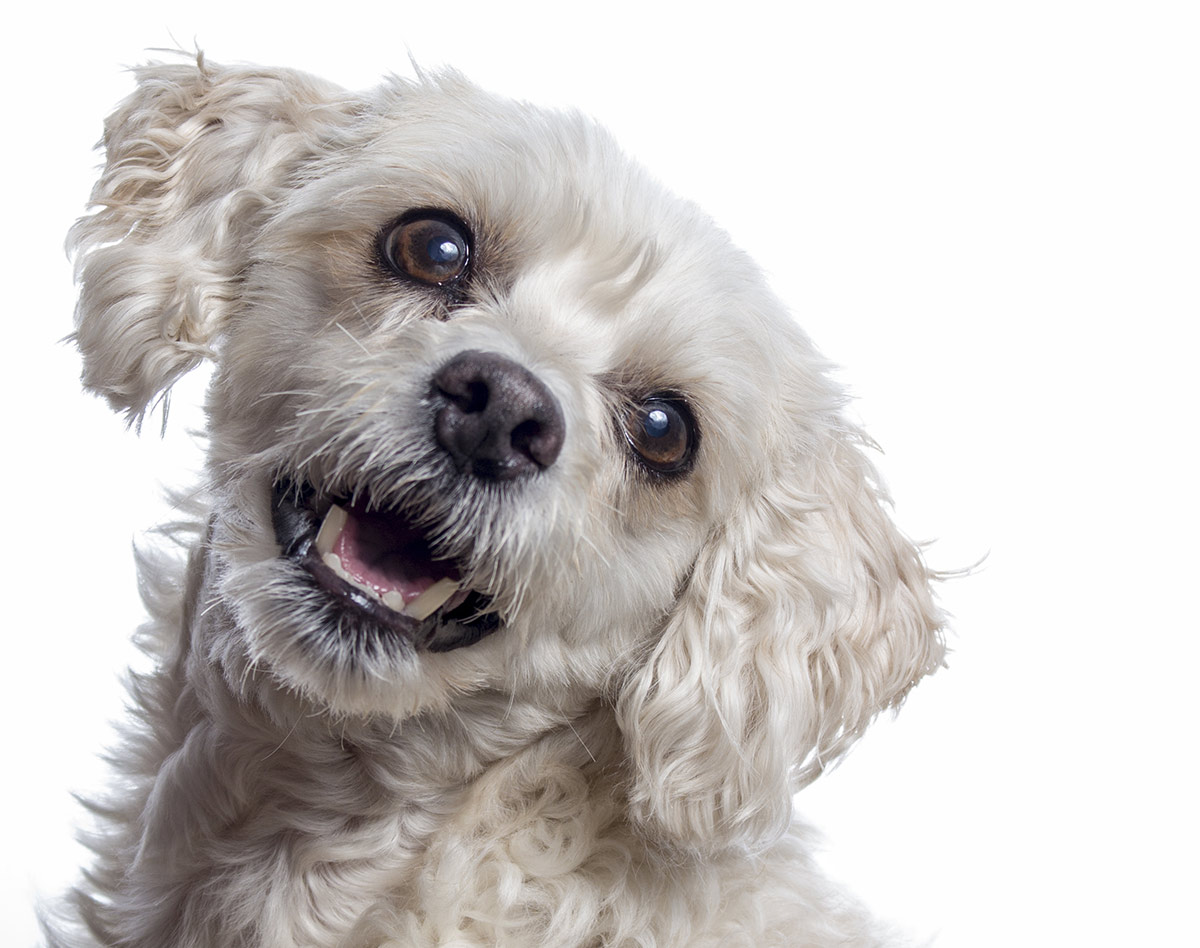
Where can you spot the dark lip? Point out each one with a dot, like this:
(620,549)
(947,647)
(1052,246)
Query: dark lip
(294,514)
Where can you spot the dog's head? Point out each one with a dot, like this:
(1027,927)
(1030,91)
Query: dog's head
(492,411)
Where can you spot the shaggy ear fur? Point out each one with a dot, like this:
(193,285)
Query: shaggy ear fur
(194,157)
(808,616)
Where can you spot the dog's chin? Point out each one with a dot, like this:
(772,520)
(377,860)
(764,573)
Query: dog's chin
(384,588)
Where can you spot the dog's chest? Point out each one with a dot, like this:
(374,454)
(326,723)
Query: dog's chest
(359,851)
(522,856)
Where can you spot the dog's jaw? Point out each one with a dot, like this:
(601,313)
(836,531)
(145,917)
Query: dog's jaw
(400,598)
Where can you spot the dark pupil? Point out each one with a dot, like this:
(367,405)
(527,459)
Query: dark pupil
(443,251)
(657,423)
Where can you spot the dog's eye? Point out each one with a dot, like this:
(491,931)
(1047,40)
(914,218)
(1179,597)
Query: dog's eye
(662,433)
(431,247)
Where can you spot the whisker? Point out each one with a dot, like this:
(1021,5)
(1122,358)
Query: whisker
(352,337)
(580,739)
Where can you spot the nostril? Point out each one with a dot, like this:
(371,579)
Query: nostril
(496,419)
(468,395)
(531,439)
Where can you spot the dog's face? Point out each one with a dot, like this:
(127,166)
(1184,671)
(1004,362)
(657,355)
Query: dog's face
(492,411)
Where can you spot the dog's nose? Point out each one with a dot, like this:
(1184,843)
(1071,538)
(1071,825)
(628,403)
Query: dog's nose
(495,418)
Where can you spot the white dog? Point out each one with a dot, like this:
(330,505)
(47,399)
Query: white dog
(537,569)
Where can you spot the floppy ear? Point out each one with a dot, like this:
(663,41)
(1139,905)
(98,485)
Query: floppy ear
(194,159)
(803,620)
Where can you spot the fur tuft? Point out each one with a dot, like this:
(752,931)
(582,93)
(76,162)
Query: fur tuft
(807,616)
(194,160)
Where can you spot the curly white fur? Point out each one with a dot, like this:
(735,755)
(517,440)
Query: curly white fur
(615,765)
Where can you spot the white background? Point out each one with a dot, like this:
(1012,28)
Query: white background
(987,213)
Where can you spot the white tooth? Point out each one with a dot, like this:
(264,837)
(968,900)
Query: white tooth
(334,562)
(393,600)
(431,599)
(330,528)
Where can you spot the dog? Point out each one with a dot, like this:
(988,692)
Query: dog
(535,567)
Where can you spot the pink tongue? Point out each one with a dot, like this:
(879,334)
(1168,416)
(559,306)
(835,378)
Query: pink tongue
(381,551)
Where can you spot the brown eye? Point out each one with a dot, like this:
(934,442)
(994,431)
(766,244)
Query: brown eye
(662,433)
(431,247)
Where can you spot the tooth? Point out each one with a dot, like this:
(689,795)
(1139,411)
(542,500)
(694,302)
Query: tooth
(431,599)
(330,528)
(393,600)
(334,562)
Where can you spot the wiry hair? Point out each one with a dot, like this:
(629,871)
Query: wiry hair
(670,655)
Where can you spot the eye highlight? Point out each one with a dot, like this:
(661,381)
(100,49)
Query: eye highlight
(662,433)
(429,246)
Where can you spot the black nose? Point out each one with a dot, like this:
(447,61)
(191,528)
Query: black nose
(495,418)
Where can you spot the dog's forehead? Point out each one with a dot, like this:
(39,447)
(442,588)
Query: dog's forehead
(498,157)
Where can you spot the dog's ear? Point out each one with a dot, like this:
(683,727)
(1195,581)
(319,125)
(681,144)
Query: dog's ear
(194,160)
(807,616)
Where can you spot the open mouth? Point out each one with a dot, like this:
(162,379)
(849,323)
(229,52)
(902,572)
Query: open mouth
(377,565)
